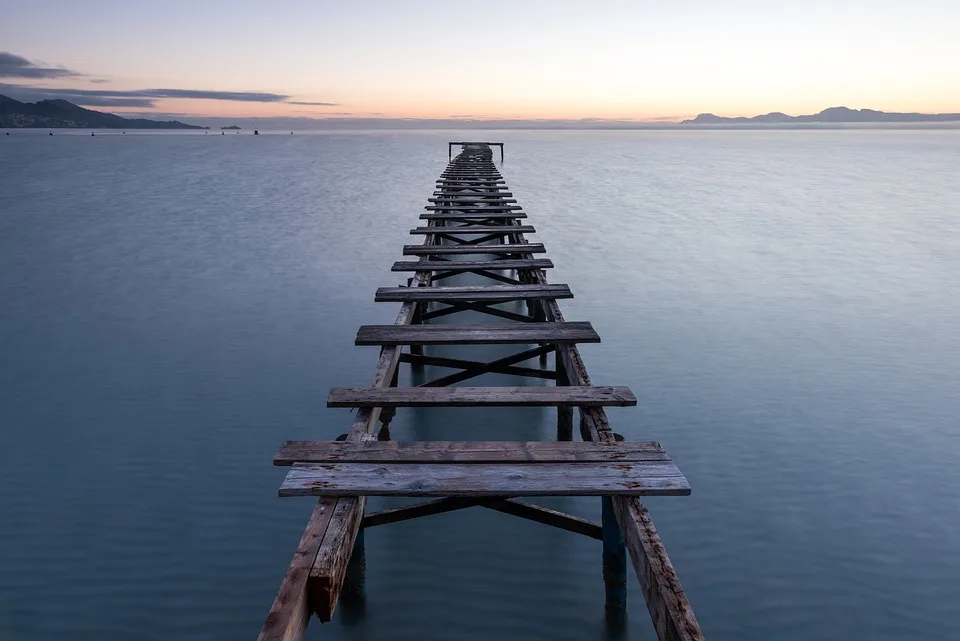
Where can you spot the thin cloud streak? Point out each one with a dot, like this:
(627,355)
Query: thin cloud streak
(312,104)
(145,97)
(14,66)
(198,94)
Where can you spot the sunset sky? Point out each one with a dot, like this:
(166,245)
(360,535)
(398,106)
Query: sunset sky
(634,60)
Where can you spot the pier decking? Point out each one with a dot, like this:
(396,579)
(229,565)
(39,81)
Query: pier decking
(472,228)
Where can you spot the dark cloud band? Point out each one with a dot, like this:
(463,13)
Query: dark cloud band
(145,97)
(14,66)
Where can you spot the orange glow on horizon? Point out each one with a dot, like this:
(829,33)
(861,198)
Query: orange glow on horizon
(457,111)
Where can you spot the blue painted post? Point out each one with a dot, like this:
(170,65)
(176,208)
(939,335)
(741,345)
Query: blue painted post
(614,559)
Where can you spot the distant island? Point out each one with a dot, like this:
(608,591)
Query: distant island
(59,114)
(232,127)
(831,115)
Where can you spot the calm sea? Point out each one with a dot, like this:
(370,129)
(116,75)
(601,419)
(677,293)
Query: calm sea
(786,306)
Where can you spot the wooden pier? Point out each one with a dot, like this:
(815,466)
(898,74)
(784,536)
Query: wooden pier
(473,227)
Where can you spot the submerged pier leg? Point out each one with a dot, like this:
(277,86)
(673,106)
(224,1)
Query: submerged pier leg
(564,414)
(354,593)
(614,560)
(387,413)
(418,310)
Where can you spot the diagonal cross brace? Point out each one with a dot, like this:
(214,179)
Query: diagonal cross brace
(484,307)
(472,369)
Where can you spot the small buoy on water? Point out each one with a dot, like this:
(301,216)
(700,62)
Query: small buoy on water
(291,133)
(256,132)
(92,134)
(223,133)
(51,133)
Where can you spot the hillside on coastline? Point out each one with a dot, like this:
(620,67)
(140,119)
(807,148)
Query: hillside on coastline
(59,114)
(831,115)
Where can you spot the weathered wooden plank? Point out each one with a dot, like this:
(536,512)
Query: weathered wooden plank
(647,478)
(492,207)
(459,182)
(456,200)
(330,566)
(436,250)
(552,396)
(484,192)
(479,230)
(503,333)
(479,175)
(470,265)
(290,613)
(488,177)
(672,615)
(494,214)
(482,198)
(472,293)
(466,452)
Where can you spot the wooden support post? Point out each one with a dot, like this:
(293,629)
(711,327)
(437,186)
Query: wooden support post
(614,559)
(564,414)
(355,578)
(418,310)
(387,413)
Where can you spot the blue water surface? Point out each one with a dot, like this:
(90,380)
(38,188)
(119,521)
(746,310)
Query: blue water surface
(785,305)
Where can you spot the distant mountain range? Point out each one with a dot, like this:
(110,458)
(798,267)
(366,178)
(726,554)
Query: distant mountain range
(57,114)
(831,115)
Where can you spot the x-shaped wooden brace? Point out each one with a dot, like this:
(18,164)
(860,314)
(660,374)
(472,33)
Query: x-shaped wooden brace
(472,369)
(472,241)
(484,307)
(472,221)
(485,272)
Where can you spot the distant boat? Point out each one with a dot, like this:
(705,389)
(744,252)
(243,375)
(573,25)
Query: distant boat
(256,132)
(92,134)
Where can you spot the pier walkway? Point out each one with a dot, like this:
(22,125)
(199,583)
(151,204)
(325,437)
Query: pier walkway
(473,226)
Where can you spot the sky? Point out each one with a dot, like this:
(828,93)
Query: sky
(524,59)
